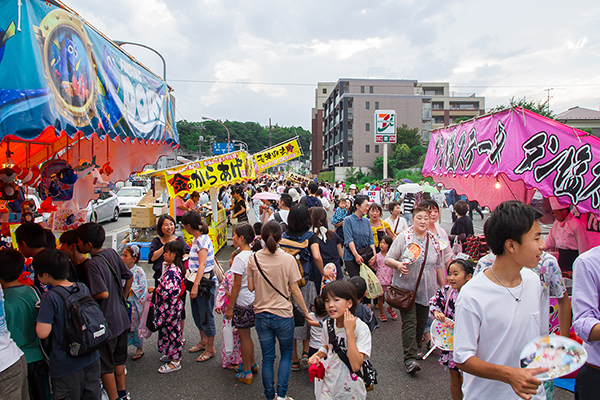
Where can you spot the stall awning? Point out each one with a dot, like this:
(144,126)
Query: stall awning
(508,154)
(67,90)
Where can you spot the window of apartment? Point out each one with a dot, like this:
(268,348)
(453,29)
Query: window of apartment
(368,127)
(437,105)
(368,105)
(367,148)
(376,148)
(370,89)
(438,119)
(324,90)
(377,105)
(362,89)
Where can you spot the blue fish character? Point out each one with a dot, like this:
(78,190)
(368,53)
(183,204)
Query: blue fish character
(4,36)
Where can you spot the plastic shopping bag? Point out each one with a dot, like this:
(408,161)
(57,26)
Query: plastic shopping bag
(144,331)
(228,336)
(374,289)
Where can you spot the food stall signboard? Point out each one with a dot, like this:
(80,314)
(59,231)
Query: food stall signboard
(277,155)
(216,171)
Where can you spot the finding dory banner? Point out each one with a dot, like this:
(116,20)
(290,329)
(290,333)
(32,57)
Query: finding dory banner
(55,71)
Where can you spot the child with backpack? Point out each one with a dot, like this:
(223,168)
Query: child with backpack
(76,377)
(347,344)
(362,311)
(21,304)
(137,298)
(168,307)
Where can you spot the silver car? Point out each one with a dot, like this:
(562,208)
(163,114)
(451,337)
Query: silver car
(105,208)
(129,197)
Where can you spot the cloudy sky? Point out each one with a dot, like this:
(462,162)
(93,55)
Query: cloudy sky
(255,60)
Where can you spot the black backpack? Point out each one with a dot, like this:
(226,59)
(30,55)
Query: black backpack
(86,328)
(277,217)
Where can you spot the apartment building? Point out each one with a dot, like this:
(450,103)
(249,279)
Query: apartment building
(448,106)
(343,116)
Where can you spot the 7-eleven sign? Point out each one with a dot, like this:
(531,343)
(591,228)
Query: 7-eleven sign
(385,126)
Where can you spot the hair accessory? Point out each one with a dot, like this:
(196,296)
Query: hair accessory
(460,256)
(135,250)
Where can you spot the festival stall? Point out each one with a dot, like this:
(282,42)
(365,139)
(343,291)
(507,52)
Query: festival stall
(75,109)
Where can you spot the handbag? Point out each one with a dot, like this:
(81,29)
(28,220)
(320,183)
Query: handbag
(206,282)
(152,327)
(298,315)
(366,253)
(404,299)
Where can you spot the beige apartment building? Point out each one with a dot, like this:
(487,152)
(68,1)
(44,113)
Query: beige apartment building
(343,117)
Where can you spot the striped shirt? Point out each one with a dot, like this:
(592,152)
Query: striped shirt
(202,242)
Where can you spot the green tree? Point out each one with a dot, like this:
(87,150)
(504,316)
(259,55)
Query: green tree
(408,136)
(539,107)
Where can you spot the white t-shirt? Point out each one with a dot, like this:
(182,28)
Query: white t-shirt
(402,225)
(9,351)
(492,326)
(282,213)
(338,383)
(316,333)
(239,267)
(325,203)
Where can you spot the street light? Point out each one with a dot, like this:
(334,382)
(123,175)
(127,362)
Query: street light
(120,43)
(241,143)
(219,122)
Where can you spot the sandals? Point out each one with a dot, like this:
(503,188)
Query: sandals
(137,356)
(239,368)
(393,314)
(170,367)
(295,365)
(205,356)
(198,347)
(304,359)
(243,377)
(165,358)
(382,318)
(233,367)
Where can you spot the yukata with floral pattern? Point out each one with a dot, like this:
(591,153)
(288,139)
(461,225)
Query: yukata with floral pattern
(444,301)
(383,272)
(136,300)
(167,314)
(221,303)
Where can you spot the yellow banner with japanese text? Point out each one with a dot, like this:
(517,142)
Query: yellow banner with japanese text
(223,170)
(277,155)
(297,178)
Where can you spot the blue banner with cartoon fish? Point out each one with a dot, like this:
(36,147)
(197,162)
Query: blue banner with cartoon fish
(57,71)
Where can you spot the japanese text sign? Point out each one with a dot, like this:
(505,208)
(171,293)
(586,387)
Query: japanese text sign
(277,155)
(216,171)
(543,154)
(297,178)
(385,126)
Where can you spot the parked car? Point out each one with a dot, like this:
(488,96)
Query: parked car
(105,208)
(130,196)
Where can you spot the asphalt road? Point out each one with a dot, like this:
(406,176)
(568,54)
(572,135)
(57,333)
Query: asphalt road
(209,380)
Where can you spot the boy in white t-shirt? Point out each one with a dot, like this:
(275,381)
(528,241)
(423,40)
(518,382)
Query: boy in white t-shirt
(498,312)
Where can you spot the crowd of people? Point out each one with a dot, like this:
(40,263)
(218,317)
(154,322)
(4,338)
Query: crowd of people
(299,280)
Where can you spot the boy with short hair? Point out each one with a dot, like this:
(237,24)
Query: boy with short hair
(105,270)
(498,311)
(72,377)
(68,244)
(21,303)
(362,311)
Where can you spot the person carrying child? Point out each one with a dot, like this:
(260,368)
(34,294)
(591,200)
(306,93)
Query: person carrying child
(443,305)
(229,361)
(384,274)
(168,307)
(137,297)
(353,339)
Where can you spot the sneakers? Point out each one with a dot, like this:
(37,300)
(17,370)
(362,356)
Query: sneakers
(412,366)
(284,398)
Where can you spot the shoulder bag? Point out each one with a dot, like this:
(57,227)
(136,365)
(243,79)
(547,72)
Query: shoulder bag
(298,315)
(404,299)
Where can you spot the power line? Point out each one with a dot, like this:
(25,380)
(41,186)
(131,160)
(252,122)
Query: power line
(314,84)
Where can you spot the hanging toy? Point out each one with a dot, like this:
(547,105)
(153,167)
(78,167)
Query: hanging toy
(106,169)
(8,189)
(30,176)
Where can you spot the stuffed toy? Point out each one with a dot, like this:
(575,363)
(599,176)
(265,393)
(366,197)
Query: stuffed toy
(8,189)
(30,176)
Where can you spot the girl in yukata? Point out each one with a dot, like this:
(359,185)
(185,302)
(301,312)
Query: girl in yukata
(232,360)
(168,308)
(443,305)
(137,297)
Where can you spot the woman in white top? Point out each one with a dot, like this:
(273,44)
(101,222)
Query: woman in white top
(202,261)
(241,301)
(397,223)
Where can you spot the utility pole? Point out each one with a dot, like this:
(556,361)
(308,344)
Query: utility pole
(270,132)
